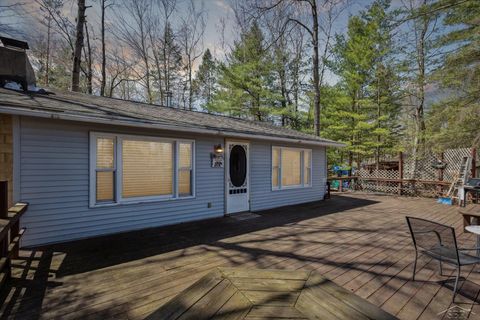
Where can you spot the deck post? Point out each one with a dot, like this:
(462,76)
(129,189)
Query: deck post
(4,215)
(400,172)
(440,176)
(3,199)
(14,231)
(474,162)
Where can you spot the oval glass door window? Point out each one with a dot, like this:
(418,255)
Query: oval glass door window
(238,166)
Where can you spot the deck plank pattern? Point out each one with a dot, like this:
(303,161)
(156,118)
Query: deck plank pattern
(305,296)
(358,241)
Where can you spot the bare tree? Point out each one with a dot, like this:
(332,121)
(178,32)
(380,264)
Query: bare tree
(120,74)
(47,22)
(135,35)
(306,14)
(104,4)
(62,24)
(221,29)
(191,36)
(169,52)
(89,61)
(77,53)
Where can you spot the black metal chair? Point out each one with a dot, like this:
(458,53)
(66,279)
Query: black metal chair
(439,242)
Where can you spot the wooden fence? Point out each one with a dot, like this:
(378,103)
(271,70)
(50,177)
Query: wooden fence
(10,232)
(413,177)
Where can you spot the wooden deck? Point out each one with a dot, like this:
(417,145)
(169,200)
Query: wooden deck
(261,294)
(358,241)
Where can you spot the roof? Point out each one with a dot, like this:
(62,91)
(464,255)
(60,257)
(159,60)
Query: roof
(88,108)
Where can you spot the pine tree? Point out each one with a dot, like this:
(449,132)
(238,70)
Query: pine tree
(455,120)
(365,113)
(384,81)
(355,57)
(205,79)
(245,80)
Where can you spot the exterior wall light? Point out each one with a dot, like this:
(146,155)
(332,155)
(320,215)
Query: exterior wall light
(218,148)
(217,156)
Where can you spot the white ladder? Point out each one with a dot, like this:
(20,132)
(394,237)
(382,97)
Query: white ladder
(461,178)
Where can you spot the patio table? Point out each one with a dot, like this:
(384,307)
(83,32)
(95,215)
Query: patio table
(240,293)
(471,218)
(476,230)
(471,214)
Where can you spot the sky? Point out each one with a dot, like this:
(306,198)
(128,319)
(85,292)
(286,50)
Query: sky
(216,10)
(27,23)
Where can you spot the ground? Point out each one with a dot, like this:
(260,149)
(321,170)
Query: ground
(359,241)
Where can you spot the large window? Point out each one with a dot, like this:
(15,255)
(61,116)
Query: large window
(147,168)
(291,167)
(132,168)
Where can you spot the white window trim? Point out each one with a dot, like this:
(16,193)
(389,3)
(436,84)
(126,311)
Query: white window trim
(119,200)
(303,185)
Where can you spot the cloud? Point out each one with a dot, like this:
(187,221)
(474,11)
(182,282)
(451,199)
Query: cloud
(223,5)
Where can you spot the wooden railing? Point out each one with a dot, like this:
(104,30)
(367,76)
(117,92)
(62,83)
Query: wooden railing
(400,182)
(341,179)
(10,232)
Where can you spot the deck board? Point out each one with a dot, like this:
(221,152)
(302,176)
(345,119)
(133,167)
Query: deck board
(358,241)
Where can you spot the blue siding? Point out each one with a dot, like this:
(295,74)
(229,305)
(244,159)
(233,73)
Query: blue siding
(261,194)
(54,179)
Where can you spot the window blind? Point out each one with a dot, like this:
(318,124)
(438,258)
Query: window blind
(291,166)
(307,160)
(105,169)
(275,167)
(147,168)
(185,169)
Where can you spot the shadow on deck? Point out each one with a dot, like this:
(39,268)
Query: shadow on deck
(358,241)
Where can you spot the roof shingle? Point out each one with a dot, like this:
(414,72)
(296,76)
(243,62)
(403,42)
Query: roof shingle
(83,107)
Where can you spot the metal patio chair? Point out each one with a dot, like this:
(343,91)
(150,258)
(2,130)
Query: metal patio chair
(439,242)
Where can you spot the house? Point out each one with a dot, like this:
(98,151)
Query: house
(90,165)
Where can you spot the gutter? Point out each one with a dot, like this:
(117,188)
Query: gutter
(14,111)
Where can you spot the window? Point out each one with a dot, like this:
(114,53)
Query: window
(105,169)
(133,168)
(147,168)
(185,169)
(307,167)
(291,168)
(275,167)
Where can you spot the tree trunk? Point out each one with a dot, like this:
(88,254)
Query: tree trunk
(377,153)
(47,63)
(89,63)
(77,53)
(156,58)
(283,89)
(419,139)
(104,60)
(316,74)
(190,80)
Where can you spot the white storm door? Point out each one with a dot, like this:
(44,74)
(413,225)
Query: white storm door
(237,177)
